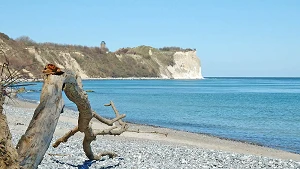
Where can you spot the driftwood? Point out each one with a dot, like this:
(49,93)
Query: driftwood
(36,140)
(33,145)
(8,153)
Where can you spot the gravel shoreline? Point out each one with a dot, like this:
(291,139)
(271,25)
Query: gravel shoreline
(135,152)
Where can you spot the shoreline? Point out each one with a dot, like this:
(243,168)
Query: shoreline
(126,78)
(147,126)
(176,137)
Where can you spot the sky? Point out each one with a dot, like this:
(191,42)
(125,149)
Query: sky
(242,38)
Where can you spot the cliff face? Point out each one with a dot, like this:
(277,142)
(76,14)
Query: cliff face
(61,59)
(187,66)
(93,62)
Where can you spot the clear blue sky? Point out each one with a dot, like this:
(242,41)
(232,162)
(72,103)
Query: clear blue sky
(232,37)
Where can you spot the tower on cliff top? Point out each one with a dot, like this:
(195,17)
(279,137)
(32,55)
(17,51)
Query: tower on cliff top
(103,47)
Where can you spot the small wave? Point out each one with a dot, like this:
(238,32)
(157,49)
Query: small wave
(30,101)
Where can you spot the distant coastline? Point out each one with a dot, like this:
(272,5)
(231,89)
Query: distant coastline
(118,78)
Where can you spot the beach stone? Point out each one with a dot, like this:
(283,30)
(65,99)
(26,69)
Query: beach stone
(138,153)
(183,161)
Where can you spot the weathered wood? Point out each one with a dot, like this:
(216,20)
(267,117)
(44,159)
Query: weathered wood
(34,143)
(8,153)
(123,124)
(65,137)
(74,92)
(107,121)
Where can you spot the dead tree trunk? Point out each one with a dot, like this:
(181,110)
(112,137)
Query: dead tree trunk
(36,140)
(8,153)
(34,143)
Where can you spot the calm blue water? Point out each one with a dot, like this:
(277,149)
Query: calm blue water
(263,111)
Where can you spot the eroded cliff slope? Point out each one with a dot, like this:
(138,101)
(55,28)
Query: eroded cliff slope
(96,62)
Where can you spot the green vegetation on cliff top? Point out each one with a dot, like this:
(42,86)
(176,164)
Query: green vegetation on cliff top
(141,61)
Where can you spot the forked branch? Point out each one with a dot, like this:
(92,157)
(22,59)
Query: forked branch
(109,131)
(74,92)
(107,121)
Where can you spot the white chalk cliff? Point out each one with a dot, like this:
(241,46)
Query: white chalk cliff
(187,66)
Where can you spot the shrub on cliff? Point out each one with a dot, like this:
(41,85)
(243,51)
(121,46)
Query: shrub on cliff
(4,36)
(176,49)
(25,40)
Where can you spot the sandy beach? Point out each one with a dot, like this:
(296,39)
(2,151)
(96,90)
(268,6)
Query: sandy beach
(177,149)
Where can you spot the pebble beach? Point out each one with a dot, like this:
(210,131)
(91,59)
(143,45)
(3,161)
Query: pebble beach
(178,149)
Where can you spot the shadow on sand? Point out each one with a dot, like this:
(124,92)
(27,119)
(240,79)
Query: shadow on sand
(87,163)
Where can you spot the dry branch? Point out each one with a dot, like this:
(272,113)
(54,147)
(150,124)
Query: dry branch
(8,154)
(34,143)
(123,124)
(74,91)
(65,137)
(95,132)
(107,121)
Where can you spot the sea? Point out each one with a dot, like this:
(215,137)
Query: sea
(262,111)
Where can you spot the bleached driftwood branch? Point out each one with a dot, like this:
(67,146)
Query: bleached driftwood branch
(94,132)
(74,92)
(108,131)
(65,137)
(36,140)
(34,143)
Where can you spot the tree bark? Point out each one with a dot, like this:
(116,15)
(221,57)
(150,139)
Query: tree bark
(8,153)
(34,143)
